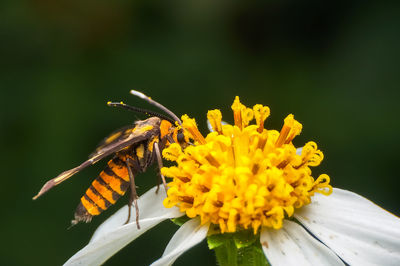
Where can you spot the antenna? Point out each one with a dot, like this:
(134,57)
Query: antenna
(140,110)
(152,102)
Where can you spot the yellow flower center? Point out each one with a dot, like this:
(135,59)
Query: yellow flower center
(244,175)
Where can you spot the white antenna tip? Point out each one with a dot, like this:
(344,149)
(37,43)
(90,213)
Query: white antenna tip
(138,94)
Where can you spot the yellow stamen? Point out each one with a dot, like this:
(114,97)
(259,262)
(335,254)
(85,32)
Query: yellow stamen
(311,155)
(173,153)
(237,112)
(261,113)
(282,136)
(290,126)
(215,118)
(190,125)
(321,185)
(247,116)
(243,176)
(295,131)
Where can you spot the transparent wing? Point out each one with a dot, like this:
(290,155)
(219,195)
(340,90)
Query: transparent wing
(139,133)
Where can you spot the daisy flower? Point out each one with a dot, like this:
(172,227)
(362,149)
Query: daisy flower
(250,192)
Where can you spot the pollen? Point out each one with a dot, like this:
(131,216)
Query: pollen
(243,176)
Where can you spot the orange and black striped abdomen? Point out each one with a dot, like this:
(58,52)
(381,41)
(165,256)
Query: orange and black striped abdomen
(105,190)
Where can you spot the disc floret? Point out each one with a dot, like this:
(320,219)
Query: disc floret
(243,176)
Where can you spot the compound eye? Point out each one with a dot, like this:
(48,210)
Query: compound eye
(180,137)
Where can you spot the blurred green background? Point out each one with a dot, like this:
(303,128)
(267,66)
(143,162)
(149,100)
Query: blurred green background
(334,65)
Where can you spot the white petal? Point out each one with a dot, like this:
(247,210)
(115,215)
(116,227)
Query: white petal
(188,235)
(293,245)
(113,234)
(356,229)
(299,150)
(150,206)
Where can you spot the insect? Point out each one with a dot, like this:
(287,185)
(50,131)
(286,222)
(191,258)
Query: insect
(134,148)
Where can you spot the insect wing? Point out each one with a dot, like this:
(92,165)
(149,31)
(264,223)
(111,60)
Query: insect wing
(139,133)
(114,137)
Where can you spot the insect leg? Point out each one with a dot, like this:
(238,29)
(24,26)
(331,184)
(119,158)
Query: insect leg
(160,165)
(158,183)
(170,139)
(133,198)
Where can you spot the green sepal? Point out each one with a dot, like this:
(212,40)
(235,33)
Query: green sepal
(245,238)
(217,240)
(252,255)
(241,248)
(180,220)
